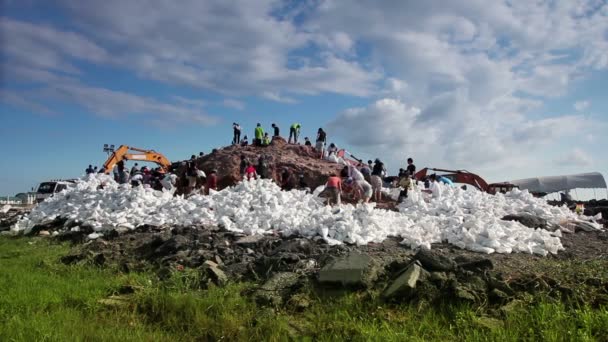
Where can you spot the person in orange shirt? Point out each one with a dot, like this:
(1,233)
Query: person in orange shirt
(334,189)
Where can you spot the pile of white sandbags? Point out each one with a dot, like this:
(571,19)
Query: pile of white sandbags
(468,219)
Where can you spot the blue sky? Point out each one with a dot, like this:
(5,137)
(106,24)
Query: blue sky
(511,90)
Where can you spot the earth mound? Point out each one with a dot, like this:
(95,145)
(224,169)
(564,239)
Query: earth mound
(298,159)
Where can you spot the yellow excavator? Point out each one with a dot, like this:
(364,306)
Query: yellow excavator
(132,153)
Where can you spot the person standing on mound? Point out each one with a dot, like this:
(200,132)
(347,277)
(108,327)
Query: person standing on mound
(294,132)
(259,135)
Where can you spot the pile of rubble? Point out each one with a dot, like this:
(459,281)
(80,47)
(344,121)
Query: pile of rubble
(298,159)
(287,269)
(10,215)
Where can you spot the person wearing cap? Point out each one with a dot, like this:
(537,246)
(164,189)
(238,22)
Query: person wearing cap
(294,131)
(211,182)
(276,130)
(259,135)
(236,128)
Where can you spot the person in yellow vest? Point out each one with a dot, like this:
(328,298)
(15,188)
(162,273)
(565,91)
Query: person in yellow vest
(259,135)
(294,131)
(266,140)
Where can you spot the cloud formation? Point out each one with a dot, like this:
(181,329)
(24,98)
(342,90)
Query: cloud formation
(460,81)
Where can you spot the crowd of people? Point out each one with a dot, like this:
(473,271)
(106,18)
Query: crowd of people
(359,181)
(262,138)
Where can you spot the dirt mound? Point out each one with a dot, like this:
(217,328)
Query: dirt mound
(298,159)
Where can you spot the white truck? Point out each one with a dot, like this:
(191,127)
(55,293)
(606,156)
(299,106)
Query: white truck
(48,189)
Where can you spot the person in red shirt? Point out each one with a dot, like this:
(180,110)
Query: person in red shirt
(250,172)
(211,182)
(334,189)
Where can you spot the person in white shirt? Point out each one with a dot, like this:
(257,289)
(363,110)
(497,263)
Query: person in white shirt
(169,181)
(365,189)
(435,189)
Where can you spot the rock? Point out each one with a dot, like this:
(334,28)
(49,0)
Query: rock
(433,261)
(218,260)
(249,251)
(217,276)
(277,289)
(172,245)
(210,263)
(527,220)
(354,269)
(472,290)
(249,240)
(44,233)
(405,284)
(488,323)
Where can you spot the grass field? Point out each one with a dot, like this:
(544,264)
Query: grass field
(44,300)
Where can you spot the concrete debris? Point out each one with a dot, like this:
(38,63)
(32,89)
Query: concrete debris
(355,269)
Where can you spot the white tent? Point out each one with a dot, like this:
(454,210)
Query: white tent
(551,184)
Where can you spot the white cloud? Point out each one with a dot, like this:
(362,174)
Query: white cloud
(235,104)
(575,157)
(474,141)
(580,106)
(277,97)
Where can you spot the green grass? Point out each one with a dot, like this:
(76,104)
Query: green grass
(44,300)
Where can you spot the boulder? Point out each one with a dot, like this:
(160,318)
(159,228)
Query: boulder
(354,269)
(276,290)
(404,285)
(172,245)
(435,262)
(527,220)
(217,276)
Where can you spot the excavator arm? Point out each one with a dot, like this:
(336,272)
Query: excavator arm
(458,176)
(127,153)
